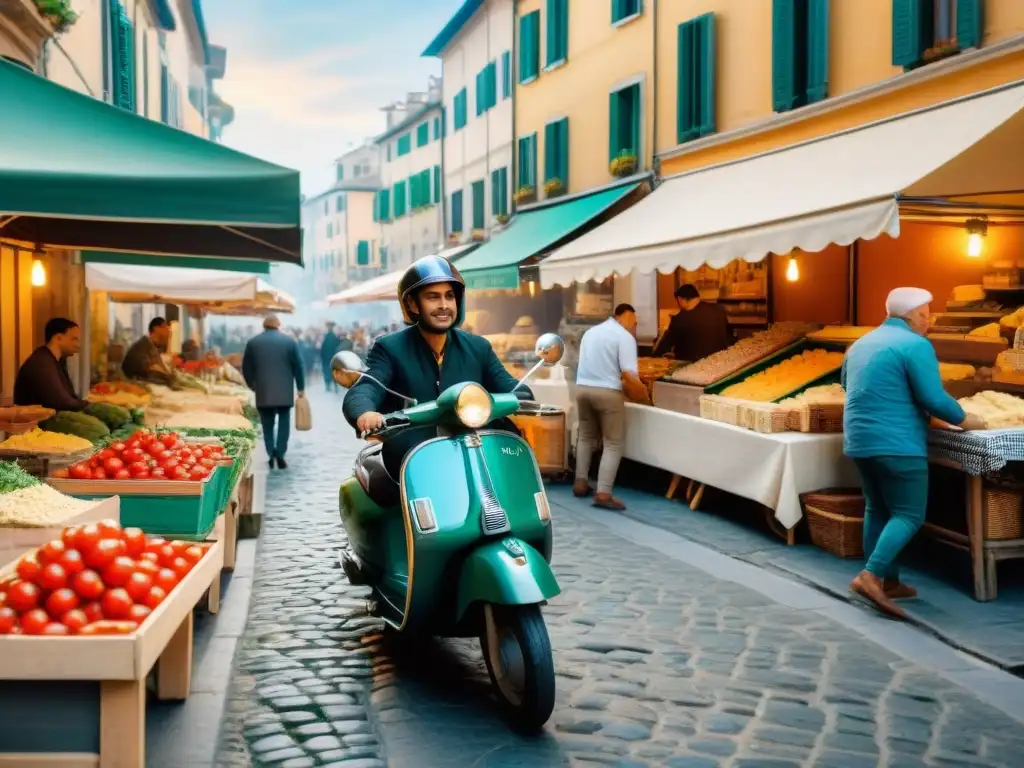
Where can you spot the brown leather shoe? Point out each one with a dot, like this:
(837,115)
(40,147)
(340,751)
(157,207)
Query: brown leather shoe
(897,590)
(581,489)
(607,501)
(869,586)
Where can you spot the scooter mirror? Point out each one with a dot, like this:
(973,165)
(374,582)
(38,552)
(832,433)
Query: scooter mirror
(347,369)
(550,348)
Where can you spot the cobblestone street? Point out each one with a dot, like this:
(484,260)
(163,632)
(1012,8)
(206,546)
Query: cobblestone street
(659,664)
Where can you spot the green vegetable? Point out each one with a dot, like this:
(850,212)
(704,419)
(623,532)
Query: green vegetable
(247,434)
(14,478)
(78,424)
(138,417)
(250,412)
(114,416)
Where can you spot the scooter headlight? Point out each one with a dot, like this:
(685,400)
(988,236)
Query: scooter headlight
(473,406)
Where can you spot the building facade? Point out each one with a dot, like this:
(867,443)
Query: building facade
(477,70)
(408,208)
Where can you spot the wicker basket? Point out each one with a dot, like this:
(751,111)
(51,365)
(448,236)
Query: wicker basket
(835,520)
(768,419)
(1004,510)
(545,432)
(819,418)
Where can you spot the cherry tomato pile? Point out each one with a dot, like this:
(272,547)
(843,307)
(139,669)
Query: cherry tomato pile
(96,579)
(149,456)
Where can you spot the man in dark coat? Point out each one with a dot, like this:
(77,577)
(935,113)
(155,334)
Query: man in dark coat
(273,369)
(43,378)
(143,361)
(425,358)
(699,329)
(329,347)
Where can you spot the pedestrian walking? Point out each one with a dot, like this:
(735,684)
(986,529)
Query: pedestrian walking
(273,368)
(329,347)
(892,383)
(606,374)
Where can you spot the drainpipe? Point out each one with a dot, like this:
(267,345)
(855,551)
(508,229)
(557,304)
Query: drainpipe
(487,121)
(515,87)
(654,97)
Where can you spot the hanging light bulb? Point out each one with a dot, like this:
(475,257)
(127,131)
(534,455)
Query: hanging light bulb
(38,273)
(977,229)
(792,270)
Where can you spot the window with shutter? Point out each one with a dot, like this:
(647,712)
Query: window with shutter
(556,153)
(800,52)
(503,191)
(389,151)
(624,123)
(529,47)
(527,161)
(928,30)
(437,183)
(437,128)
(506,75)
(122,37)
(422,134)
(695,73)
(404,144)
(363,253)
(480,96)
(457,212)
(491,84)
(557,37)
(477,192)
(625,9)
(400,200)
(460,105)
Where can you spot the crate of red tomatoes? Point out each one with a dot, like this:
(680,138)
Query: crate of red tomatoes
(168,486)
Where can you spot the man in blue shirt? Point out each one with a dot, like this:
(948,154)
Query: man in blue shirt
(892,383)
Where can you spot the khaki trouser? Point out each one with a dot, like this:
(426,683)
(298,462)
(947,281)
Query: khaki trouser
(602,415)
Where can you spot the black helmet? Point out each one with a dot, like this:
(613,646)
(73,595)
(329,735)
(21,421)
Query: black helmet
(427,271)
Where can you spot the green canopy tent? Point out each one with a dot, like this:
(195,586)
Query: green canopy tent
(78,173)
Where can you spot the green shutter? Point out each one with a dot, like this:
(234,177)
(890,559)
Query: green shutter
(437,183)
(477,192)
(550,151)
(479,94)
(785,90)
(529,46)
(970,23)
(506,74)
(817,50)
(492,84)
(504,190)
(613,126)
(423,135)
(706,37)
(624,9)
(557,33)
(686,125)
(495,195)
(122,47)
(457,211)
(363,253)
(907,32)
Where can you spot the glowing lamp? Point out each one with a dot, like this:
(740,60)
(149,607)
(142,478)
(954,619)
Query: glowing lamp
(38,273)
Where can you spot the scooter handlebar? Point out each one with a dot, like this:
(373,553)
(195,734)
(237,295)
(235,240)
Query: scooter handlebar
(392,423)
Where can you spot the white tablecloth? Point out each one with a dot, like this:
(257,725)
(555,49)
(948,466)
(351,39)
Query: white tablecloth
(770,469)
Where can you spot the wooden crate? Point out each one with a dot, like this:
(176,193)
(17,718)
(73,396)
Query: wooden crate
(98,684)
(15,542)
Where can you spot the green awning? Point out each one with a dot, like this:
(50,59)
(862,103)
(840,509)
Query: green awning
(183,262)
(78,173)
(495,264)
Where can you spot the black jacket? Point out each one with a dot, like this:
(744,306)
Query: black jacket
(695,334)
(44,380)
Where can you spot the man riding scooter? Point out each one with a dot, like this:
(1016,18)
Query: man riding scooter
(425,358)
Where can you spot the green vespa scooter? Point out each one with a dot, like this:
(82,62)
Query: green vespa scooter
(460,546)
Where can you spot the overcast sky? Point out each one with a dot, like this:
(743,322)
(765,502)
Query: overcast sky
(307,78)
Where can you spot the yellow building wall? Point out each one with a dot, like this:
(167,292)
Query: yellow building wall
(361,226)
(601,59)
(860,54)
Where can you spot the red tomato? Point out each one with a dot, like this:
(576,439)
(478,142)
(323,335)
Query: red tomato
(194,554)
(113,465)
(199,473)
(170,439)
(167,579)
(71,561)
(131,455)
(55,628)
(149,557)
(134,541)
(80,471)
(61,473)
(87,537)
(103,553)
(33,622)
(122,474)
(138,586)
(51,552)
(53,576)
(180,546)
(99,474)
(61,601)
(118,448)
(119,571)
(74,620)
(109,628)
(105,454)
(139,613)
(8,620)
(139,470)
(93,611)
(29,568)
(111,529)
(68,536)
(207,462)
(23,596)
(148,567)
(179,473)
(181,566)
(153,543)
(155,597)
(163,456)
(88,585)
(116,603)
(167,554)
(157,474)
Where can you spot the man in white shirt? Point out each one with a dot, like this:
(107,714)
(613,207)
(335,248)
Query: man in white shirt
(607,365)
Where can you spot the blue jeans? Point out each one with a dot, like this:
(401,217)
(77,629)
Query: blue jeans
(896,499)
(276,449)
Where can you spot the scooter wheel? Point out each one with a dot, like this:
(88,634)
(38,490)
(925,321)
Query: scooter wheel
(521,666)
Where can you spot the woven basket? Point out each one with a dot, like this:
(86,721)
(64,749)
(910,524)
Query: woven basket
(835,520)
(1004,510)
(768,419)
(822,418)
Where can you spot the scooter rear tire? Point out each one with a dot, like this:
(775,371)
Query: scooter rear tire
(528,701)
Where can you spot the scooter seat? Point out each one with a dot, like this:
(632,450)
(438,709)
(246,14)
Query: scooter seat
(374,478)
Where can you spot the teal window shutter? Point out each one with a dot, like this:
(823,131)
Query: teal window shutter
(423,135)
(817,50)
(506,75)
(404,144)
(478,204)
(908,32)
(437,128)
(479,94)
(389,151)
(460,109)
(970,23)
(686,96)
(437,183)
(414,192)
(556,151)
(706,39)
(624,9)
(363,253)
(563,152)
(457,211)
(492,85)
(495,194)
(503,190)
(557,38)
(786,91)
(529,46)
(624,122)
(122,37)
(614,139)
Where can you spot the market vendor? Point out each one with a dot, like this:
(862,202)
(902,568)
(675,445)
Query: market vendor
(698,330)
(892,383)
(143,361)
(43,378)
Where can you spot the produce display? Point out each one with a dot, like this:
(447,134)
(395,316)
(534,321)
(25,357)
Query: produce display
(148,456)
(998,409)
(784,377)
(78,424)
(123,393)
(830,394)
(840,333)
(97,579)
(166,399)
(990,331)
(114,416)
(1013,320)
(40,441)
(192,419)
(741,354)
(27,503)
(956,371)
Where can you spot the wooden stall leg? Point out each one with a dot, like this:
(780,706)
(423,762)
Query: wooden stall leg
(174,667)
(213,596)
(230,535)
(673,487)
(122,723)
(695,501)
(786,534)
(976,535)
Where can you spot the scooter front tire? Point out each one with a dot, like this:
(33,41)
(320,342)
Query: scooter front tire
(520,665)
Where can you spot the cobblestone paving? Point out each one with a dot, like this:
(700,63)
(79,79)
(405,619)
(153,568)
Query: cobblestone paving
(659,664)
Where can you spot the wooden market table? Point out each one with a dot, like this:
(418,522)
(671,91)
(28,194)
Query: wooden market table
(72,702)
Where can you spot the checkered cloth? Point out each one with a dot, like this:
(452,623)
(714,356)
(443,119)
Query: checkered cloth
(978,452)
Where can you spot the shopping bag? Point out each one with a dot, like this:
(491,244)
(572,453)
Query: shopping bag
(303,414)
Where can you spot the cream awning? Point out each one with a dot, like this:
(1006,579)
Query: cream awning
(835,189)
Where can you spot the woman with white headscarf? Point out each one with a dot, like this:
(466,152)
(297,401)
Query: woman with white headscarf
(892,383)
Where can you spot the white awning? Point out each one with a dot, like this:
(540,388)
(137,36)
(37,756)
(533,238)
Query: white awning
(385,287)
(836,189)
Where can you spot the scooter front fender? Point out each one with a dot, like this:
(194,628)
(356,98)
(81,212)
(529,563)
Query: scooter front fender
(505,572)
